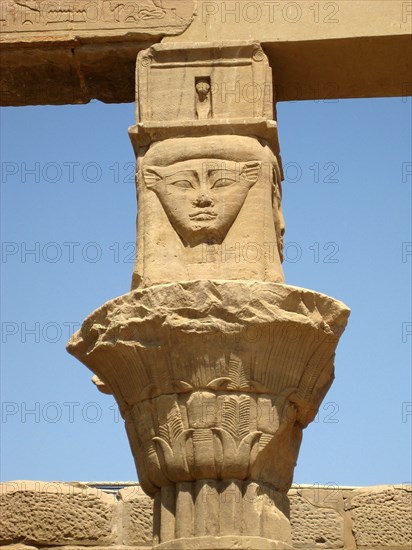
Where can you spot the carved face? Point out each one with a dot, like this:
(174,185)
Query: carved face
(202,197)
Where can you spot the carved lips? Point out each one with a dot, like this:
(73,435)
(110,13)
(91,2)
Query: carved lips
(203,216)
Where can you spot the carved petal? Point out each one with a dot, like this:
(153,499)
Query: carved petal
(219,383)
(174,459)
(236,460)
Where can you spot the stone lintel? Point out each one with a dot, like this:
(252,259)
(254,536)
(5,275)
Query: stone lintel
(41,21)
(341,68)
(360,49)
(74,51)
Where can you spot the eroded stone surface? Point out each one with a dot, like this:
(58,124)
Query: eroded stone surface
(217,204)
(73,51)
(41,21)
(214,387)
(97,547)
(362,56)
(382,516)
(191,366)
(137,513)
(316,518)
(209,202)
(55,513)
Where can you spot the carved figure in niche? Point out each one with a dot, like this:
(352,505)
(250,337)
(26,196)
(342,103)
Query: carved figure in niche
(203,98)
(202,183)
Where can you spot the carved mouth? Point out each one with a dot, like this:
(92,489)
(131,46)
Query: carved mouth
(207,215)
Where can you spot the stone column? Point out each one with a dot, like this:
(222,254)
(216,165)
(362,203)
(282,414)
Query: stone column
(216,364)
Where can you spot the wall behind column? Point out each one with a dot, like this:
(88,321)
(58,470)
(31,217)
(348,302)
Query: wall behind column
(68,516)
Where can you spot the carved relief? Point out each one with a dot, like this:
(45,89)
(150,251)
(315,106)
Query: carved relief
(202,197)
(203,99)
(215,191)
(208,165)
(225,82)
(208,406)
(188,431)
(31,16)
(202,397)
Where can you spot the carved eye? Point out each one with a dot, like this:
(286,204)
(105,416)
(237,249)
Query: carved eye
(223,182)
(183,184)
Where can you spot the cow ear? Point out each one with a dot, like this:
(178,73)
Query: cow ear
(251,171)
(151,176)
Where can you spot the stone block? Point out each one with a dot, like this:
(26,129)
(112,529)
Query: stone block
(49,514)
(73,21)
(382,516)
(137,516)
(98,547)
(74,51)
(316,517)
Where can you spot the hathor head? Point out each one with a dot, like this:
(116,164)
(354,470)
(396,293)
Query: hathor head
(202,183)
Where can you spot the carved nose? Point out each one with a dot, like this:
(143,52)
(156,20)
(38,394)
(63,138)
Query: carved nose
(203,201)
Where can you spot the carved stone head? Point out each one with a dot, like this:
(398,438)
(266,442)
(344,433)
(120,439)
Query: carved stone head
(202,183)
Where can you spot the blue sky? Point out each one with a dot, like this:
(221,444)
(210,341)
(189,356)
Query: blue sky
(67,195)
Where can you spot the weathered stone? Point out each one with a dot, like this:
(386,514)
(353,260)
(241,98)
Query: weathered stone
(73,51)
(191,381)
(223,219)
(209,232)
(97,547)
(86,50)
(71,21)
(360,48)
(382,516)
(44,513)
(316,518)
(216,366)
(137,514)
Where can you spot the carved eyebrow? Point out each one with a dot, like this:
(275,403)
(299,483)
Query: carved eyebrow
(223,171)
(186,171)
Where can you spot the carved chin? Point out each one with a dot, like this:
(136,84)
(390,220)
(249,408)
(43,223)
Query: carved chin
(203,232)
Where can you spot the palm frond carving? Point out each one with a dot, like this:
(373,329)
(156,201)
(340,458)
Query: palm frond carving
(235,416)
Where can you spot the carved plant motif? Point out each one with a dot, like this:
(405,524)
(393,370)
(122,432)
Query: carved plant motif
(235,416)
(238,377)
(237,456)
(173,458)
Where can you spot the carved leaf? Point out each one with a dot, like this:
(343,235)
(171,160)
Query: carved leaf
(244,416)
(264,440)
(239,374)
(236,459)
(229,417)
(164,432)
(175,459)
(175,424)
(235,416)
